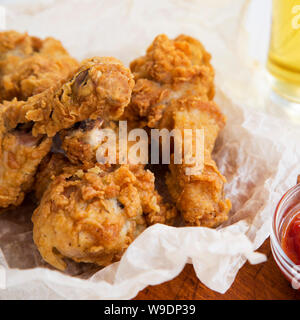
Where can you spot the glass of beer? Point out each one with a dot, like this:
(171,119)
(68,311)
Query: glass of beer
(284,52)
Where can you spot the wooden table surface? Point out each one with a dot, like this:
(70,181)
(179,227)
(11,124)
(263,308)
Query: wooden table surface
(261,282)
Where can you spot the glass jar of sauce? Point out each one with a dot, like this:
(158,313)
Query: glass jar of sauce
(285,236)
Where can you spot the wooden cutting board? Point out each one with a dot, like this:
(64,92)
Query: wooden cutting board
(262,281)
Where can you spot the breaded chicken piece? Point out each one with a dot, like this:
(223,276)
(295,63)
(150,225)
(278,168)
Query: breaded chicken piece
(29,65)
(174,88)
(101,87)
(199,196)
(81,143)
(171,69)
(55,164)
(93,215)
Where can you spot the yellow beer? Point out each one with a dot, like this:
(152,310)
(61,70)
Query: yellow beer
(284,54)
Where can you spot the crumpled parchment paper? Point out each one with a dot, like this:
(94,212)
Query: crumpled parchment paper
(256,152)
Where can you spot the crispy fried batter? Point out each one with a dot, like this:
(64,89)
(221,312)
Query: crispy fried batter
(29,65)
(171,69)
(19,157)
(174,88)
(154,208)
(92,215)
(101,87)
(199,197)
(81,143)
(50,167)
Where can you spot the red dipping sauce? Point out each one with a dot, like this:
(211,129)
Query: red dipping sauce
(291,239)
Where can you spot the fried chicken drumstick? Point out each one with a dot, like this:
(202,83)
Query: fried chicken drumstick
(199,196)
(174,88)
(91,215)
(100,87)
(29,65)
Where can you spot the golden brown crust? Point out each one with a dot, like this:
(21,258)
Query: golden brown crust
(20,155)
(171,69)
(199,197)
(155,209)
(93,216)
(174,88)
(183,59)
(19,161)
(80,143)
(29,65)
(77,150)
(81,148)
(50,167)
(101,87)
